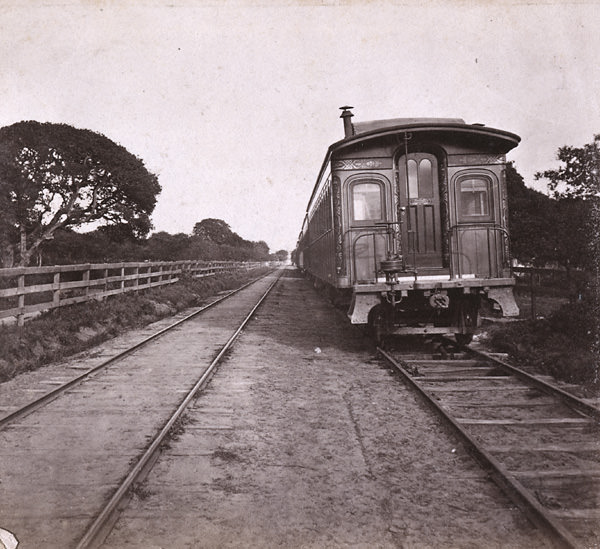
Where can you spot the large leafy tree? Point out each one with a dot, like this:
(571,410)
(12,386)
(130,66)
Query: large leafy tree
(215,237)
(215,230)
(545,229)
(579,174)
(530,220)
(576,186)
(163,246)
(261,250)
(281,255)
(219,232)
(56,176)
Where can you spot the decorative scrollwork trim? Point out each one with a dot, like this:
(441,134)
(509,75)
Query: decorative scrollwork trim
(361,164)
(336,188)
(475,159)
(444,214)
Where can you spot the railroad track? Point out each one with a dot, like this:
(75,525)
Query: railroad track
(67,469)
(539,443)
(22,411)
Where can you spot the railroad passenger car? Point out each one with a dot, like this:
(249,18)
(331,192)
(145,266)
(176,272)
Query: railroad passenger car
(408,220)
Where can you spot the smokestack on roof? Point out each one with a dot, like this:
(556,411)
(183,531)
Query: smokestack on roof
(347,115)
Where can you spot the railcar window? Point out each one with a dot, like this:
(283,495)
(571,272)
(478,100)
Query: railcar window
(367,201)
(474,198)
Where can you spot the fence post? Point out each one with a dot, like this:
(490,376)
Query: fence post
(122,279)
(532,294)
(136,272)
(21,301)
(56,290)
(86,279)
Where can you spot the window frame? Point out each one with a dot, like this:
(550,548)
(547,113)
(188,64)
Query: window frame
(382,197)
(491,201)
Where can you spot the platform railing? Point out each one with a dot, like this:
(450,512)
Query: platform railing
(496,248)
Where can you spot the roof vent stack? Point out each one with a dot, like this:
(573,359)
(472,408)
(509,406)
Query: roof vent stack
(347,115)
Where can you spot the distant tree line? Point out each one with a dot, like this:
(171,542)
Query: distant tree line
(211,239)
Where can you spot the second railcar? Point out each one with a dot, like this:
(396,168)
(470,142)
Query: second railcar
(408,219)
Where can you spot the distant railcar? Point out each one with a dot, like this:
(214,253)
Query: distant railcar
(408,219)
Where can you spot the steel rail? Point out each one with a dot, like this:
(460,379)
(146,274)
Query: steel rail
(98,530)
(503,478)
(51,395)
(567,398)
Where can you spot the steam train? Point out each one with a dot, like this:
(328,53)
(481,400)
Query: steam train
(408,224)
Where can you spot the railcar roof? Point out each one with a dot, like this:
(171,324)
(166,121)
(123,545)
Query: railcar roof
(363,127)
(377,128)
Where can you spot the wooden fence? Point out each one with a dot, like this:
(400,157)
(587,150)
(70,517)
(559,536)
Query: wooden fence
(559,283)
(28,290)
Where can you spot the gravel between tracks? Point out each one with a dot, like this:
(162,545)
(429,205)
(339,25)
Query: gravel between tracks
(303,439)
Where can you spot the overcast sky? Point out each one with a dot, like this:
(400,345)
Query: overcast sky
(233,104)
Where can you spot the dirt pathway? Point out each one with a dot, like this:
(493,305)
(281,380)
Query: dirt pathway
(302,439)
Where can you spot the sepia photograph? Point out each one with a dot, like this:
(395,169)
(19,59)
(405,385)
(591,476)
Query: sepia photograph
(299,274)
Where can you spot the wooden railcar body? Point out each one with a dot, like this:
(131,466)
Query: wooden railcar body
(409,218)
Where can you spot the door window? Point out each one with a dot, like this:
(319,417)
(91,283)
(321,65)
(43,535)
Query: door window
(420,178)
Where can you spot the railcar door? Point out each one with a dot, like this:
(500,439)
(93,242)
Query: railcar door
(419,194)
(477,235)
(367,207)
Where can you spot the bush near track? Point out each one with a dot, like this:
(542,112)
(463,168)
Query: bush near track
(565,345)
(68,330)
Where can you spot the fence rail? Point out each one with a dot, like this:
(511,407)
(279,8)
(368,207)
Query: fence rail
(537,282)
(26,290)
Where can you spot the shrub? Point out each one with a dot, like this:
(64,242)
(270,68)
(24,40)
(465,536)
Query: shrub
(564,345)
